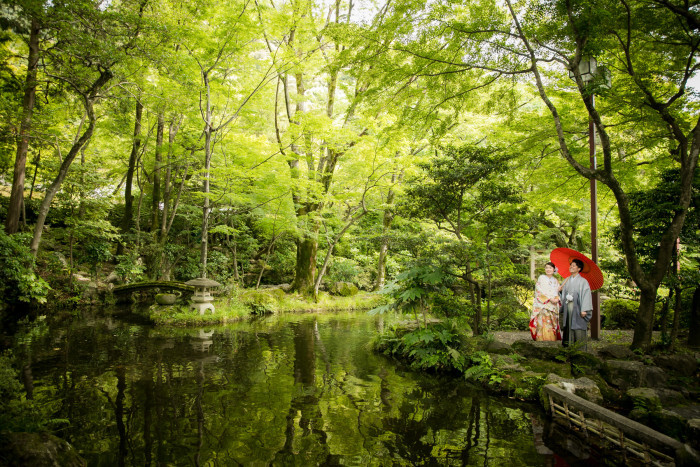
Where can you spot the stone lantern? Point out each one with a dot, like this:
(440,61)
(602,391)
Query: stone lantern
(202,299)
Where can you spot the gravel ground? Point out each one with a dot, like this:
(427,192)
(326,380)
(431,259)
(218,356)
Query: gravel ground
(607,337)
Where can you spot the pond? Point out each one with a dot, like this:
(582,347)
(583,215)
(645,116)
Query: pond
(295,389)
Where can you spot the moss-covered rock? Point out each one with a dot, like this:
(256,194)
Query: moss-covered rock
(260,301)
(694,432)
(548,366)
(540,350)
(680,364)
(669,423)
(623,374)
(617,352)
(645,399)
(497,347)
(37,450)
(585,388)
(344,289)
(527,386)
(585,364)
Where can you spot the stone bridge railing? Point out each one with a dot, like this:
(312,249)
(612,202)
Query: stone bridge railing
(637,443)
(156,286)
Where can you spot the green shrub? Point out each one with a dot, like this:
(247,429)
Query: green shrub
(260,302)
(18,281)
(344,289)
(481,368)
(343,269)
(619,313)
(451,304)
(511,318)
(435,347)
(129,267)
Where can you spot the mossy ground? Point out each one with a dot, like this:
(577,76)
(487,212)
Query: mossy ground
(240,303)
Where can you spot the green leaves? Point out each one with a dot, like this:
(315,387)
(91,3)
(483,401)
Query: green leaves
(435,347)
(18,281)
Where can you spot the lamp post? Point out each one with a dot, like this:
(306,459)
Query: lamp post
(589,70)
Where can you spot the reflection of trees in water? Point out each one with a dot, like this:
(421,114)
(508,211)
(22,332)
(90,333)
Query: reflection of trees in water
(290,392)
(119,413)
(454,426)
(310,446)
(472,437)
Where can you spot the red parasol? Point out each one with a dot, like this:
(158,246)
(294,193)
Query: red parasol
(561,257)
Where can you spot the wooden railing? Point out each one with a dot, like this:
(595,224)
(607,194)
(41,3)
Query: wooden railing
(636,442)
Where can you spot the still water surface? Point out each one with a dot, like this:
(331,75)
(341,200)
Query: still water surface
(282,390)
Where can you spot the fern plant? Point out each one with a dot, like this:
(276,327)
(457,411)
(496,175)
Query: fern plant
(412,290)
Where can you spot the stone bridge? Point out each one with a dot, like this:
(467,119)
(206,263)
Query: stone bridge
(124,291)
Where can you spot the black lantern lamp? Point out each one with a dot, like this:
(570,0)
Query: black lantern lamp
(589,70)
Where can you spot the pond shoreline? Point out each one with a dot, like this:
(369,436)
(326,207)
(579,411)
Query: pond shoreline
(658,390)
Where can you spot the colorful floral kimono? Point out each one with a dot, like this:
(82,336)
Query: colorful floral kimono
(544,321)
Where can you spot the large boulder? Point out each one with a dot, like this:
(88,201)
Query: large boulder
(112,278)
(669,423)
(670,397)
(694,432)
(507,364)
(644,398)
(681,364)
(582,387)
(540,350)
(497,347)
(344,289)
(583,363)
(37,450)
(654,377)
(616,352)
(624,375)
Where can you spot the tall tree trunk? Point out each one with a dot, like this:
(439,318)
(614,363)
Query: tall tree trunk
(81,193)
(384,246)
(476,300)
(305,270)
(208,130)
(477,314)
(488,285)
(155,199)
(167,184)
(329,253)
(37,161)
(264,262)
(234,253)
(89,102)
(694,331)
(128,218)
(664,313)
(645,318)
(14,209)
(676,317)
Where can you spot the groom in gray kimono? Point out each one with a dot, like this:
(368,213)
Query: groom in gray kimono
(576,306)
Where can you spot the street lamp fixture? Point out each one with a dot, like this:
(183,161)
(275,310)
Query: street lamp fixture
(587,67)
(589,70)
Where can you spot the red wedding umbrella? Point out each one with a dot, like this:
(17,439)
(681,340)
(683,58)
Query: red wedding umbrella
(561,257)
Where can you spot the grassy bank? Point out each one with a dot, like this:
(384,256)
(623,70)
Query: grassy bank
(236,304)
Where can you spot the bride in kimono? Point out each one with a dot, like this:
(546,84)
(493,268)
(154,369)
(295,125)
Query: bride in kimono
(544,320)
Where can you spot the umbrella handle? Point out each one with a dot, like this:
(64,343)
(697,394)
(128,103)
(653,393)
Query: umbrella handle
(562,284)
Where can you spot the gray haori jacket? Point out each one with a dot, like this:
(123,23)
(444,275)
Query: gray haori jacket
(575,297)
